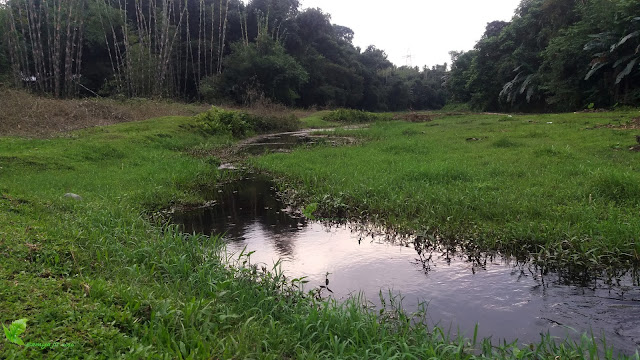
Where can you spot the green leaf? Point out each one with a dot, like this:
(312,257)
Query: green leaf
(624,40)
(309,210)
(7,332)
(14,330)
(595,68)
(18,326)
(18,341)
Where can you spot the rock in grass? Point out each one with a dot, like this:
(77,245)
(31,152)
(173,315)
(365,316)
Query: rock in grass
(227,167)
(73,196)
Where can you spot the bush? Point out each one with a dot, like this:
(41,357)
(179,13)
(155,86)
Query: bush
(354,116)
(219,121)
(241,124)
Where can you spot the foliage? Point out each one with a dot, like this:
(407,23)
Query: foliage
(217,51)
(5,65)
(14,330)
(618,48)
(110,278)
(353,116)
(553,55)
(239,124)
(493,182)
(262,68)
(219,121)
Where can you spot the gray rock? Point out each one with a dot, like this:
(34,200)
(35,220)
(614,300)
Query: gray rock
(73,196)
(227,167)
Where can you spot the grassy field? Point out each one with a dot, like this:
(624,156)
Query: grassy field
(103,280)
(555,185)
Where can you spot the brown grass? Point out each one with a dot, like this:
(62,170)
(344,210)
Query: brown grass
(632,124)
(25,114)
(263,106)
(414,117)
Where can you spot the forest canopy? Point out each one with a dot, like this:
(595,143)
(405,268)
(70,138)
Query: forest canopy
(209,50)
(554,55)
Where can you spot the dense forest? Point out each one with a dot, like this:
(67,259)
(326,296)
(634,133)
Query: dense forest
(554,55)
(210,50)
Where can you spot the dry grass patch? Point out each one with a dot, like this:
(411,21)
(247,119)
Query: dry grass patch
(25,114)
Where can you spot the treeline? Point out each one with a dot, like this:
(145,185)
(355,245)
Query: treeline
(210,50)
(555,55)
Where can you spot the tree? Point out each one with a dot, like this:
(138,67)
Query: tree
(5,65)
(617,47)
(459,76)
(261,68)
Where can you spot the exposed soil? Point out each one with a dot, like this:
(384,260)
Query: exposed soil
(632,124)
(414,117)
(280,142)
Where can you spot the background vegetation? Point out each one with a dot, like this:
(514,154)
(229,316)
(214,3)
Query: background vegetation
(554,55)
(203,50)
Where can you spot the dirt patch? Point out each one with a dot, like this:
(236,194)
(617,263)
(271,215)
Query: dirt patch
(25,114)
(280,142)
(414,117)
(630,125)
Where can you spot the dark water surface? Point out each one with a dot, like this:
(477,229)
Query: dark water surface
(288,141)
(508,300)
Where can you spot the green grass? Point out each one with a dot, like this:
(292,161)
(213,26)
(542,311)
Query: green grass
(101,275)
(565,192)
(315,121)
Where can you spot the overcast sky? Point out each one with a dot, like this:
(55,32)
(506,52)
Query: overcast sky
(426,29)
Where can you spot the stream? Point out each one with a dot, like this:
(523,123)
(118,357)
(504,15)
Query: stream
(508,300)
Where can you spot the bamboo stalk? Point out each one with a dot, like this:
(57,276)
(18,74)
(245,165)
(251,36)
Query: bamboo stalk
(224,33)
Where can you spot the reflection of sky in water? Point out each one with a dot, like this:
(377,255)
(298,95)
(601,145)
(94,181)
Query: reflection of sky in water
(507,301)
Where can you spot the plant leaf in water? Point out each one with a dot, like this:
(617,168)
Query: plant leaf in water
(309,210)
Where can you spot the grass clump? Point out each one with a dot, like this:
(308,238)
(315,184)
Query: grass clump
(240,124)
(621,188)
(564,192)
(354,116)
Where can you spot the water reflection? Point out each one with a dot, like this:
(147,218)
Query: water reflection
(509,299)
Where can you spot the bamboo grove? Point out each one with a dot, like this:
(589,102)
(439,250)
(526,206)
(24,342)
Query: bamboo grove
(211,50)
(148,44)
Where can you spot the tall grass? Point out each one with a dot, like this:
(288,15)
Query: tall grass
(102,275)
(541,184)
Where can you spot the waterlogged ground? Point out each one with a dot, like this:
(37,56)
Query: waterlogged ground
(508,300)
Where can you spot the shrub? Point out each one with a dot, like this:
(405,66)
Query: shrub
(241,124)
(354,116)
(620,188)
(220,121)
(271,123)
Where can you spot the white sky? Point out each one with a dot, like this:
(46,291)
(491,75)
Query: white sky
(426,29)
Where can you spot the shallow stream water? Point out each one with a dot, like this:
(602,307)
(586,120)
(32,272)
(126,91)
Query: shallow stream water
(508,300)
